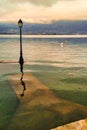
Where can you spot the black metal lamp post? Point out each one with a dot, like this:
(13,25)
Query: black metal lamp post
(21,60)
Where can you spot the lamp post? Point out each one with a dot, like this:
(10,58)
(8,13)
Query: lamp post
(21,60)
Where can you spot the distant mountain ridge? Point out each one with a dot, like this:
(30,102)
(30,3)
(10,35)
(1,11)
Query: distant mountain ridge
(55,28)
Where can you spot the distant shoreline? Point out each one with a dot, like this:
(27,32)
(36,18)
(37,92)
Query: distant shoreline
(43,36)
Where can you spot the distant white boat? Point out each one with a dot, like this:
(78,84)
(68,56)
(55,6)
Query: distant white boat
(61,44)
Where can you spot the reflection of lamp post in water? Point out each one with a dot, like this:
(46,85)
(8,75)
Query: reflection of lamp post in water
(21,60)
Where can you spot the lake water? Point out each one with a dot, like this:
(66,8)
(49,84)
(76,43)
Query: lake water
(58,62)
(59,51)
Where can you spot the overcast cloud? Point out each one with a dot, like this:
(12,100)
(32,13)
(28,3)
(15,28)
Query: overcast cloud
(42,11)
(37,2)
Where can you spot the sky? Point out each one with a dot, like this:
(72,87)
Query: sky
(42,11)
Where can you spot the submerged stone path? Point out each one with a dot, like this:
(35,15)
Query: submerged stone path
(40,108)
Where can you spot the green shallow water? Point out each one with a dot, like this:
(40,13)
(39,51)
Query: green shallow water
(68,83)
(8,99)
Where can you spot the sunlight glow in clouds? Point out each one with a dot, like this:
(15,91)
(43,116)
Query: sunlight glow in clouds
(37,11)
